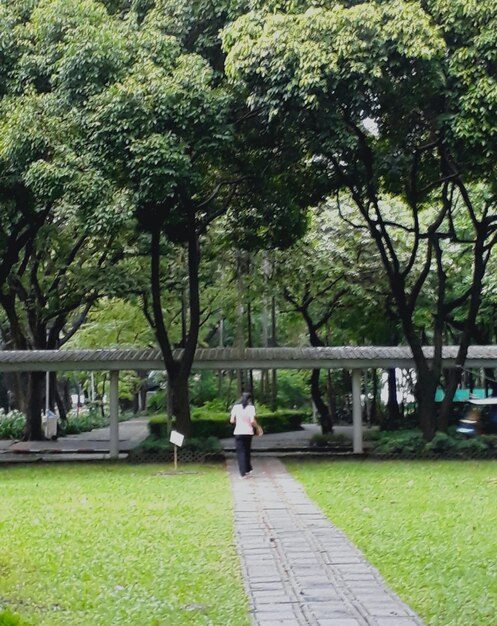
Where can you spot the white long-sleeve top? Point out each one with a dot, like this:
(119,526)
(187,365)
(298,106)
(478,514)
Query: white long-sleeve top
(243,418)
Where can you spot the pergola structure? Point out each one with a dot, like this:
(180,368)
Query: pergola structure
(355,359)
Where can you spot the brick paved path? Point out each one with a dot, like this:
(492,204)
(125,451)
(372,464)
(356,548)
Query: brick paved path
(298,567)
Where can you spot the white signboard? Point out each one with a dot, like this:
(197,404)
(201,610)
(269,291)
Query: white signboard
(176,438)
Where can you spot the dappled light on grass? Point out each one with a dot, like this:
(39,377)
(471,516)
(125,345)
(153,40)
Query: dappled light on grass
(120,545)
(429,527)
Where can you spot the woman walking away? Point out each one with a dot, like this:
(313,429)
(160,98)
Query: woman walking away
(243,416)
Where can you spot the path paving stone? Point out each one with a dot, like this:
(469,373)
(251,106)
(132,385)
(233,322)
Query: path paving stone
(298,567)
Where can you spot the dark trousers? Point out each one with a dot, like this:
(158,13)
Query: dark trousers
(243,446)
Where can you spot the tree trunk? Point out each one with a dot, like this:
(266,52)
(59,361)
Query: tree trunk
(425,394)
(392,402)
(36,389)
(239,338)
(324,414)
(274,390)
(180,403)
(374,405)
(453,378)
(332,397)
(61,407)
(249,344)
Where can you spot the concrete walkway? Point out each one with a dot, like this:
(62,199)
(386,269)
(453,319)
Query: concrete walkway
(93,445)
(298,567)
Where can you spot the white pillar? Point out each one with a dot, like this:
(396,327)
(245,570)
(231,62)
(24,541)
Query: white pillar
(356,411)
(114,414)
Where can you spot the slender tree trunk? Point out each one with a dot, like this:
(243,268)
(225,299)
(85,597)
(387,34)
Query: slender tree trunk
(239,320)
(374,406)
(61,407)
(274,343)
(250,344)
(36,388)
(426,388)
(332,397)
(479,266)
(392,402)
(324,414)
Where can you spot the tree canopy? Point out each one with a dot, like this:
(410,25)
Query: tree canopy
(137,136)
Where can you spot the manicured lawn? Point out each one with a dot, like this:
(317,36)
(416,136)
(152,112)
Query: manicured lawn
(119,545)
(429,527)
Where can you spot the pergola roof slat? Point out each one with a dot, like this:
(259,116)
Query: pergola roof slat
(347,357)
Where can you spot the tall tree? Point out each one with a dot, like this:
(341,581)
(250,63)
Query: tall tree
(384,95)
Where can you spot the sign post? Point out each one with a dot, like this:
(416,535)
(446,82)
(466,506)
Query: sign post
(176,439)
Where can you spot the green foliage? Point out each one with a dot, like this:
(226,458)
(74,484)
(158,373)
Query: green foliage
(330,440)
(281,421)
(87,420)
(7,618)
(205,424)
(293,389)
(400,442)
(155,442)
(372,435)
(12,424)
(208,444)
(410,443)
(388,97)
(157,402)
(442,444)
(445,445)
(215,405)
(82,423)
(204,388)
(158,425)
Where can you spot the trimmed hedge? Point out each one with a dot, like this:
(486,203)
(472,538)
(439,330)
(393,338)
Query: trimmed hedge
(218,425)
(410,443)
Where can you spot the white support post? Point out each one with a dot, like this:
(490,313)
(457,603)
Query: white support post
(357,411)
(114,414)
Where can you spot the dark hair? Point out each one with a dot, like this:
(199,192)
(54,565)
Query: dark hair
(245,399)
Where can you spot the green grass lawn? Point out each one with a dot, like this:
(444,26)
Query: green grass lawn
(429,527)
(95,545)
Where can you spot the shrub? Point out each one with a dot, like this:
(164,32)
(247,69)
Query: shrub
(218,425)
(207,445)
(203,387)
(293,388)
(82,423)
(203,428)
(12,424)
(329,440)
(156,403)
(477,447)
(157,425)
(153,443)
(212,406)
(490,440)
(10,619)
(372,435)
(407,443)
(410,443)
(442,444)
